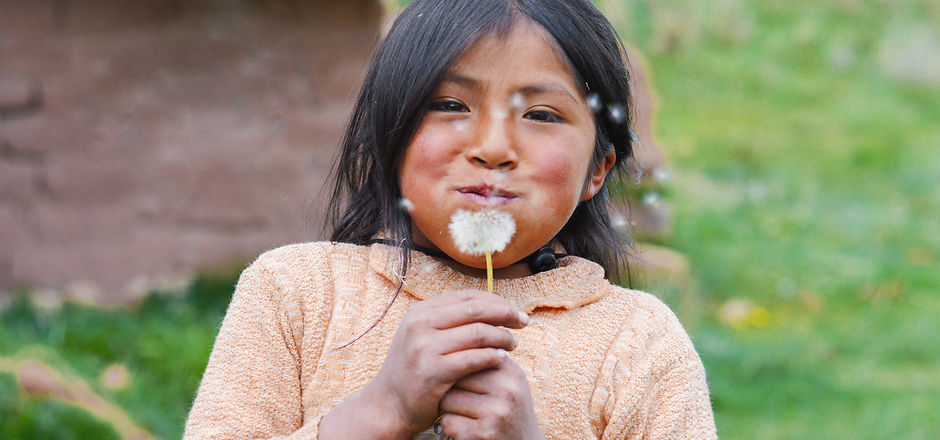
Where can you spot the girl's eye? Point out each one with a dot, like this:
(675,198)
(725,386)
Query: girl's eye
(543,116)
(449,106)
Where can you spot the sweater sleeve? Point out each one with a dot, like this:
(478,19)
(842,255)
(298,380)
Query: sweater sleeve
(662,393)
(252,387)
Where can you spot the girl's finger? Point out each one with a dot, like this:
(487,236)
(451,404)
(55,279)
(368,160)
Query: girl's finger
(464,403)
(478,383)
(477,307)
(457,426)
(461,363)
(474,335)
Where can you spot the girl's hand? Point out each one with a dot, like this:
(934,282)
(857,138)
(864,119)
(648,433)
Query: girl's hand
(440,341)
(491,404)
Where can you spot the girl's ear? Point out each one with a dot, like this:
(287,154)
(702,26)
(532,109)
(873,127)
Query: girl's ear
(596,179)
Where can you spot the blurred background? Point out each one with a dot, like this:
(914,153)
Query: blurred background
(789,209)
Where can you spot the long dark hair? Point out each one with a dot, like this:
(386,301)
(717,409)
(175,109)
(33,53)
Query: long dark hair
(426,38)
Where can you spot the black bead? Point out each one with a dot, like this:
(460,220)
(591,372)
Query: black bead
(542,260)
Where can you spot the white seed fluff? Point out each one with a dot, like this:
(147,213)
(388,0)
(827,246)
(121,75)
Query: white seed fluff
(617,113)
(406,205)
(594,102)
(517,101)
(479,232)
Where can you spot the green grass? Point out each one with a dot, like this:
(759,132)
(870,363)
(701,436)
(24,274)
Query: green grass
(165,345)
(30,419)
(808,186)
(805,181)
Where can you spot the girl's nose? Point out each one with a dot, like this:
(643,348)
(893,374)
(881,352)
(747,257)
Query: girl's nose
(492,145)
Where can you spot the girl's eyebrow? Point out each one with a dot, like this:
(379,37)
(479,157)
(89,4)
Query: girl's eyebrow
(551,87)
(460,79)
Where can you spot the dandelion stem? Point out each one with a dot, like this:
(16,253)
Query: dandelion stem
(489,272)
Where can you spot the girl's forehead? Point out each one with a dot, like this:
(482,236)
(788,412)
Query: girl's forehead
(526,49)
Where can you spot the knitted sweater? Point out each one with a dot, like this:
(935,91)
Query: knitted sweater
(602,362)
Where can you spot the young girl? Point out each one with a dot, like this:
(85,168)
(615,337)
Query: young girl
(386,332)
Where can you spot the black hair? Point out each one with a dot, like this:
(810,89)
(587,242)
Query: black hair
(426,38)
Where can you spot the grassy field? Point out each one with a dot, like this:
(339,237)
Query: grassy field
(164,345)
(805,151)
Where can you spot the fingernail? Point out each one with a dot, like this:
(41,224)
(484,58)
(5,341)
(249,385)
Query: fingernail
(523,318)
(501,352)
(515,341)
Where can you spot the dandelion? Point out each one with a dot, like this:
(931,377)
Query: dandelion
(741,313)
(482,233)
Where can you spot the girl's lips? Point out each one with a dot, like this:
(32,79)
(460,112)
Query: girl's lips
(486,195)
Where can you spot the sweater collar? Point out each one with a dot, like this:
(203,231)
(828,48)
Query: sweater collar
(574,281)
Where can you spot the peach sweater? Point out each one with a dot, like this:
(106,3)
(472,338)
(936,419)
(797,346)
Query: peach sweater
(603,362)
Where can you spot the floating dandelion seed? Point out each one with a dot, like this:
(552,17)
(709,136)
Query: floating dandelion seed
(517,101)
(478,232)
(619,222)
(617,113)
(426,268)
(500,113)
(406,205)
(461,125)
(651,198)
(594,102)
(499,176)
(661,174)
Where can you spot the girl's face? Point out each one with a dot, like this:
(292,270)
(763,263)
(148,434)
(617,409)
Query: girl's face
(508,128)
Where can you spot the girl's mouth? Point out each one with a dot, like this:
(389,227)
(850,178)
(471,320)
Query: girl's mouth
(486,195)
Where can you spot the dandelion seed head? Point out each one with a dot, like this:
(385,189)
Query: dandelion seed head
(594,102)
(616,113)
(478,232)
(406,205)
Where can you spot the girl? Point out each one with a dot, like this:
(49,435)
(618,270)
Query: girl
(386,332)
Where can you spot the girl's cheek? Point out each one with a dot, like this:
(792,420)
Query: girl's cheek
(559,171)
(432,147)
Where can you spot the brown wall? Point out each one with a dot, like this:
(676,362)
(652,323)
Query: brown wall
(137,138)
